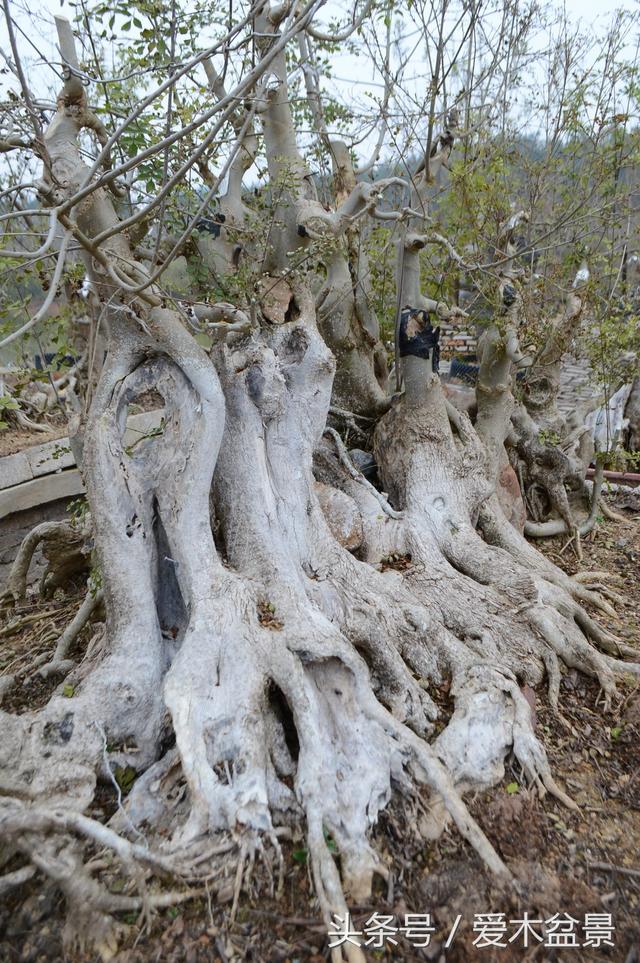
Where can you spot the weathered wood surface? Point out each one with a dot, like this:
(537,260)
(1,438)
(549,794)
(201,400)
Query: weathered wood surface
(40,491)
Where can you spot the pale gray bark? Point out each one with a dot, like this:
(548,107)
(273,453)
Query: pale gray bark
(345,316)
(234,643)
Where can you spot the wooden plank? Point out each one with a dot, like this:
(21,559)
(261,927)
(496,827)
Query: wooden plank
(14,469)
(55,456)
(39,491)
(51,457)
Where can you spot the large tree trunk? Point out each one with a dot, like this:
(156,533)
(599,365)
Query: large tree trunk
(346,318)
(266,677)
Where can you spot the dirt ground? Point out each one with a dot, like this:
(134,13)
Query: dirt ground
(20,438)
(577,863)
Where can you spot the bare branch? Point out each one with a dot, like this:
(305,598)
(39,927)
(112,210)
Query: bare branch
(356,22)
(48,301)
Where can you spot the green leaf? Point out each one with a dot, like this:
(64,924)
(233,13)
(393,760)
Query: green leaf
(330,841)
(125,776)
(301,856)
(68,690)
(513,788)
(616,732)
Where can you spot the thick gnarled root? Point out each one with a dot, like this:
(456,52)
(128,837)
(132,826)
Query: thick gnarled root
(65,549)
(295,678)
(216,691)
(60,663)
(492,716)
(54,839)
(348,754)
(497,531)
(356,741)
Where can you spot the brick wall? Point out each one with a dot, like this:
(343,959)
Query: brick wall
(457,341)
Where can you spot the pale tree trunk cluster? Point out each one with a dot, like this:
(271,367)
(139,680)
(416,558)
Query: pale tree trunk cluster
(258,674)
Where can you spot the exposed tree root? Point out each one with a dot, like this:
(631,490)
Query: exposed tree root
(609,513)
(19,876)
(256,675)
(318,714)
(63,545)
(560,527)
(60,664)
(42,836)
